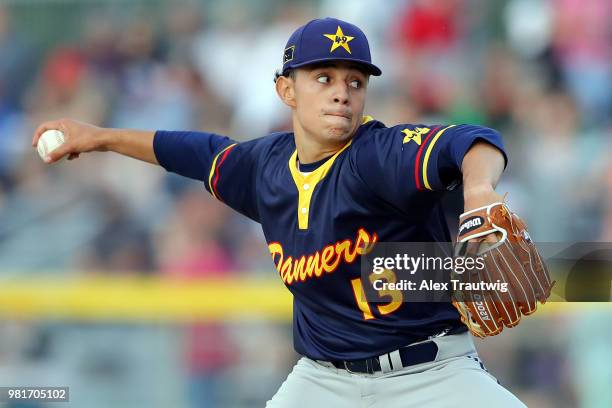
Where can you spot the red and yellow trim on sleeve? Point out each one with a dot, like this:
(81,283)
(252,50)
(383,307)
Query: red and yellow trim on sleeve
(420,168)
(213,177)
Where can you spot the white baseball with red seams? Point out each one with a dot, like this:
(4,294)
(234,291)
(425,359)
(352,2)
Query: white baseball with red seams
(49,141)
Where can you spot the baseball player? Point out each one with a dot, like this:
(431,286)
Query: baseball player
(324,194)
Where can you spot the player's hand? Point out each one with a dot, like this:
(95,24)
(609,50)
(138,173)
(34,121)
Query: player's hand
(79,138)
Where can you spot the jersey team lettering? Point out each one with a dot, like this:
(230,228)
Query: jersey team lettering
(312,266)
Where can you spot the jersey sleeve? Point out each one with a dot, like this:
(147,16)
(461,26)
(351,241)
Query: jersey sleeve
(439,165)
(228,169)
(399,162)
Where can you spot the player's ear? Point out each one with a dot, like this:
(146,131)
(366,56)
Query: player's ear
(285,88)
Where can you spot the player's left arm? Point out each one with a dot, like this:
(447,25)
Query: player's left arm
(475,156)
(501,238)
(481,170)
(399,162)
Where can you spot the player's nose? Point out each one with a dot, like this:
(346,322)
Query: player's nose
(341,94)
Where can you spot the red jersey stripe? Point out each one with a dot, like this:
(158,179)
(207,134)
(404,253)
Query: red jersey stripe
(217,175)
(417,164)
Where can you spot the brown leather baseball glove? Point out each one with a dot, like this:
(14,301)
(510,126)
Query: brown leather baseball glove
(513,259)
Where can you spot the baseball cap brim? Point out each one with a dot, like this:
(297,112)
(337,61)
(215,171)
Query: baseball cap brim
(369,67)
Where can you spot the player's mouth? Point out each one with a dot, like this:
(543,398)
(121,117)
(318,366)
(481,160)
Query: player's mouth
(345,115)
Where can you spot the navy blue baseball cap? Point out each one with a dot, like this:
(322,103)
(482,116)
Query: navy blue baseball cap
(328,39)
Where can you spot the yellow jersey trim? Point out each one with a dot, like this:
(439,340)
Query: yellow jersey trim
(366,119)
(212,170)
(306,184)
(427,154)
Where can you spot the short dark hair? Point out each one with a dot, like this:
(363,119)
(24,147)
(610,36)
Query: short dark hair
(290,73)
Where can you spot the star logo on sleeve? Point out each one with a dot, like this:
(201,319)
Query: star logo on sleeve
(339,40)
(414,135)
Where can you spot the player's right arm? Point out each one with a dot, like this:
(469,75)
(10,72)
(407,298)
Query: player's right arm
(228,169)
(82,138)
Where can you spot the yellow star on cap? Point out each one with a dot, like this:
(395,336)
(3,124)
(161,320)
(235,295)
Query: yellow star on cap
(339,40)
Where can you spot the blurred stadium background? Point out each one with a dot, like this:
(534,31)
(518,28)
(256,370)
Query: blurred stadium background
(136,289)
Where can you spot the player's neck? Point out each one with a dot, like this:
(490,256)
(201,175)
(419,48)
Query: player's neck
(309,150)
(309,153)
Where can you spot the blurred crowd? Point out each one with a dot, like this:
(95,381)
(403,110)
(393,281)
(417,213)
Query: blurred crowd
(538,71)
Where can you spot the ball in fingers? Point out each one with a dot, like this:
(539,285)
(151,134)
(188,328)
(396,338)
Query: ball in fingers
(49,141)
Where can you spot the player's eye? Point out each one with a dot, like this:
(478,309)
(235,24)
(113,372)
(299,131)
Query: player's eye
(323,79)
(355,84)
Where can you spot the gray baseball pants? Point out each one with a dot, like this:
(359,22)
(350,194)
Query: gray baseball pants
(456,378)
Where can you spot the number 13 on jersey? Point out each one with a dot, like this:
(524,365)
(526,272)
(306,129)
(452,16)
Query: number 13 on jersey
(396,296)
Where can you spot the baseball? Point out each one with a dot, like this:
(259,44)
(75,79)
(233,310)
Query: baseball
(49,141)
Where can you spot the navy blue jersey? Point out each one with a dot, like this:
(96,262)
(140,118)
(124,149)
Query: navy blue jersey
(385,185)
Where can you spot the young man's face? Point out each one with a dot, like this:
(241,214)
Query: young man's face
(329,101)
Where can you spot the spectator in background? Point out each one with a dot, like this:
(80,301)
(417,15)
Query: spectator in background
(150,96)
(428,35)
(191,244)
(430,25)
(17,69)
(12,147)
(497,89)
(582,45)
(99,48)
(256,108)
(67,88)
(528,26)
(563,168)
(220,66)
(590,363)
(122,245)
(184,23)
(190,248)
(17,64)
